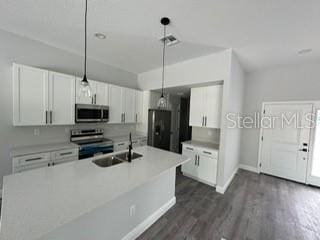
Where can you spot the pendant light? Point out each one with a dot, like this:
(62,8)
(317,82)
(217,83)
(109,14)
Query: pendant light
(162,102)
(85,89)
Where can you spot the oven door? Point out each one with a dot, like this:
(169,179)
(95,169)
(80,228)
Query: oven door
(88,113)
(94,150)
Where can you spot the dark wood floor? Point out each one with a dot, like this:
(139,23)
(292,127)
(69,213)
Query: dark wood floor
(255,207)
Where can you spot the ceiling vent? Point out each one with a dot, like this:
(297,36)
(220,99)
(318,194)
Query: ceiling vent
(170,40)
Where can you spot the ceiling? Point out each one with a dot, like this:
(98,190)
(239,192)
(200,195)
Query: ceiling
(262,33)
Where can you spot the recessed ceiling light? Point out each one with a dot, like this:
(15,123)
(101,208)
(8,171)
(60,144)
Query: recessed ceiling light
(305,51)
(100,35)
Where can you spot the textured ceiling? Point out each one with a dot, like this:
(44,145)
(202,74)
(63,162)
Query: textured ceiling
(262,33)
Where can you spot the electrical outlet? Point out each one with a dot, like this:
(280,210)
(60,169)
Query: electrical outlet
(132,210)
(36,131)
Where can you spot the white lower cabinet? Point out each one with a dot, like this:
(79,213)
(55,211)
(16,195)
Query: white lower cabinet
(40,160)
(120,146)
(202,166)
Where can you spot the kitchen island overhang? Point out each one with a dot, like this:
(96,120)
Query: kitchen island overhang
(79,197)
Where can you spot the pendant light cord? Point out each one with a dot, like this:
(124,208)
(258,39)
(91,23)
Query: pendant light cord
(163,56)
(85,38)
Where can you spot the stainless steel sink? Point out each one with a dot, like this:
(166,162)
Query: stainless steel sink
(124,156)
(107,162)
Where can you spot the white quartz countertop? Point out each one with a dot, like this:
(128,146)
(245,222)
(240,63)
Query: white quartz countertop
(38,201)
(126,137)
(25,150)
(208,145)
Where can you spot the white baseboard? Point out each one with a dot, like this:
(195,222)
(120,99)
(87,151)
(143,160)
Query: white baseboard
(248,168)
(223,189)
(138,230)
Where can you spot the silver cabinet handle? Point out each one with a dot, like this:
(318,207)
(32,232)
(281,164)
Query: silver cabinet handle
(205,121)
(202,121)
(189,148)
(207,152)
(95,99)
(46,117)
(198,160)
(51,117)
(136,117)
(65,153)
(195,160)
(124,117)
(33,159)
(120,144)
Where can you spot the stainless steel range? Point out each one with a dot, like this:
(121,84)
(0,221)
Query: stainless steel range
(91,142)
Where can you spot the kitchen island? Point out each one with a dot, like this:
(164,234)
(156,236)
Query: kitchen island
(80,200)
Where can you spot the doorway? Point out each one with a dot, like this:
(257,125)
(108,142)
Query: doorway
(285,140)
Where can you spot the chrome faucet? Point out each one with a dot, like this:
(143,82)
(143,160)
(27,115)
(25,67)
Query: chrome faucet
(130,148)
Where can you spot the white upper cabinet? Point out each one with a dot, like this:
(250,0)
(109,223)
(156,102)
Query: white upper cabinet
(139,106)
(61,98)
(42,97)
(205,106)
(30,95)
(196,107)
(81,99)
(129,110)
(115,104)
(99,93)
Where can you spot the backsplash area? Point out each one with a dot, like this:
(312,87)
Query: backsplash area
(206,134)
(38,135)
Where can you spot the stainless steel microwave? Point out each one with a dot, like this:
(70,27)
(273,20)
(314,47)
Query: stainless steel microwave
(88,113)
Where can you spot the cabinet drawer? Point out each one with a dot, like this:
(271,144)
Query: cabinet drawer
(67,153)
(209,153)
(31,159)
(189,148)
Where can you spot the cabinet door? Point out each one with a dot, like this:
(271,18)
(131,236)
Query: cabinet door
(101,94)
(196,107)
(130,105)
(115,104)
(30,94)
(81,99)
(213,105)
(139,106)
(190,167)
(207,169)
(61,99)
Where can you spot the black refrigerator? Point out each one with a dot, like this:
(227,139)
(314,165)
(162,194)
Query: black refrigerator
(159,128)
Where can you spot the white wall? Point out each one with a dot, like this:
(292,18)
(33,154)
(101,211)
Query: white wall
(230,139)
(17,49)
(211,68)
(289,83)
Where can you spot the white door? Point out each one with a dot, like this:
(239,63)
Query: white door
(197,107)
(61,99)
(30,91)
(314,160)
(190,167)
(101,94)
(213,105)
(139,106)
(284,147)
(115,104)
(129,105)
(207,169)
(82,99)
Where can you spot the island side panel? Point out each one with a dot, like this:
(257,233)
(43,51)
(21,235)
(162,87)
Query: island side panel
(113,220)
